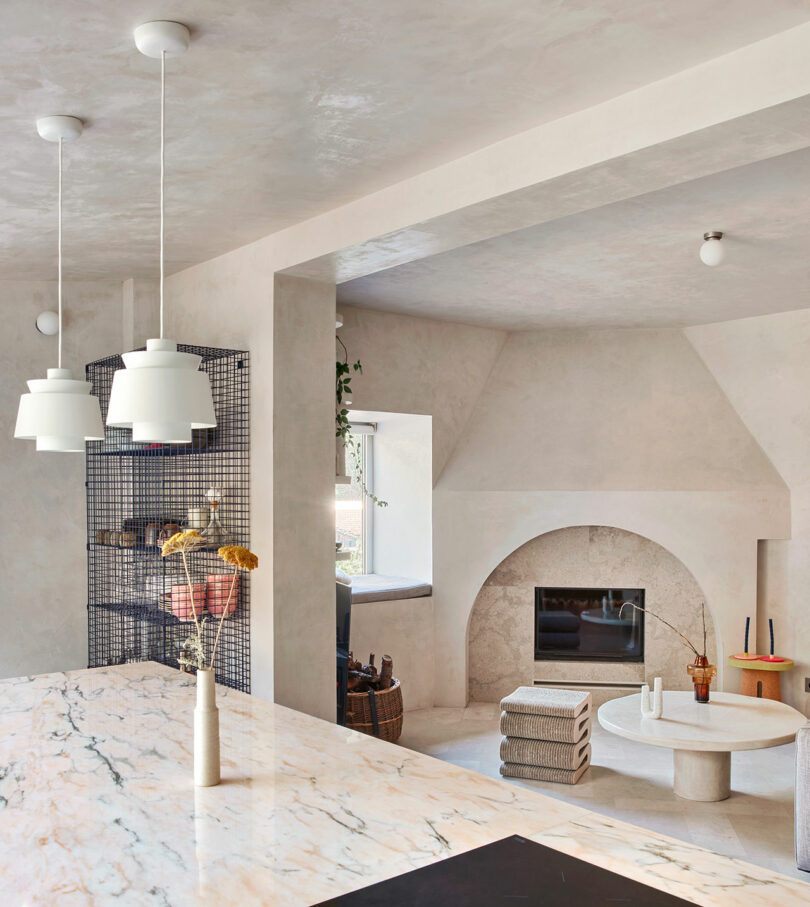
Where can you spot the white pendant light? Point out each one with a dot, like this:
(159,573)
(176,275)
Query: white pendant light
(161,394)
(59,413)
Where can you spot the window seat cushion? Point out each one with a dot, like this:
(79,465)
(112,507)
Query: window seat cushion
(370,587)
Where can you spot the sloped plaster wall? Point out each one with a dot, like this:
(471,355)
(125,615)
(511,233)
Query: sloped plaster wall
(602,409)
(567,428)
(763,366)
(43,527)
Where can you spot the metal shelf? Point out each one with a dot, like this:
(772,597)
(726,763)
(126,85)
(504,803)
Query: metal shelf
(129,488)
(149,613)
(154,452)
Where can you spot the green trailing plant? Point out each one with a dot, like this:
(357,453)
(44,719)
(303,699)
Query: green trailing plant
(343,386)
(356,465)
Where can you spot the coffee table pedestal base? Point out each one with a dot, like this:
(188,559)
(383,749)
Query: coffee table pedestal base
(701,775)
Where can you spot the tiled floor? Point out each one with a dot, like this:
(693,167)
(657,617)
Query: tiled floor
(633,782)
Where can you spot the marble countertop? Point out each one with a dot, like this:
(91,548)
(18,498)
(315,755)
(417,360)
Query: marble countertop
(97,805)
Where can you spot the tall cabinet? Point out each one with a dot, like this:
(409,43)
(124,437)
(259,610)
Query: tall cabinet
(138,494)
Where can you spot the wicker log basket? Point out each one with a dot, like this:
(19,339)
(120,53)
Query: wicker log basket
(376,713)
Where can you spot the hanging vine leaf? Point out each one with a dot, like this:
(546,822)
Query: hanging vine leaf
(343,428)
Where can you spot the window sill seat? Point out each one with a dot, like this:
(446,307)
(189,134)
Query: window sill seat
(371,587)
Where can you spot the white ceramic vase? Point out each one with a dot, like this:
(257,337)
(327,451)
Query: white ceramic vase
(206,731)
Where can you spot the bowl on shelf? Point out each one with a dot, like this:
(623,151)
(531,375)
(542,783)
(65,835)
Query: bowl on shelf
(217,590)
(182,607)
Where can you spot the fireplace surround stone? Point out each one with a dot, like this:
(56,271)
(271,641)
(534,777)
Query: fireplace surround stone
(501,630)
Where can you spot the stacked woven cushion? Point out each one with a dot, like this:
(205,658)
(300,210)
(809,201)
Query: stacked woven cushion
(547,734)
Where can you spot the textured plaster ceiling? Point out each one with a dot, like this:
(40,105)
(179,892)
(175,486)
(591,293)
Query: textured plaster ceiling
(283,110)
(634,263)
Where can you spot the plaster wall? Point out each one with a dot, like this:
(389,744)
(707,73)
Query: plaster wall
(304,495)
(42,530)
(140,312)
(287,324)
(763,366)
(404,630)
(228,302)
(714,535)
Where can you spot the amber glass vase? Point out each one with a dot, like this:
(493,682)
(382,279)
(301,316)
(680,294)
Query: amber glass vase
(702,673)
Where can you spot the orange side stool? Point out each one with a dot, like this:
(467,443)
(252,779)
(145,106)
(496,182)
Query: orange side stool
(761,675)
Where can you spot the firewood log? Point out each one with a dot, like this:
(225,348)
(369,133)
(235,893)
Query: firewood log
(386,672)
(358,686)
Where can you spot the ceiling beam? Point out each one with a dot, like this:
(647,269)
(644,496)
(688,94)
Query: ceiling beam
(746,106)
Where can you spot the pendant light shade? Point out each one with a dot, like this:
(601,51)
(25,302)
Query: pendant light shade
(59,413)
(161,394)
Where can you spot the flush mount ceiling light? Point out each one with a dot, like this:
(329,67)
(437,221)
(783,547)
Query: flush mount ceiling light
(161,394)
(59,413)
(712,252)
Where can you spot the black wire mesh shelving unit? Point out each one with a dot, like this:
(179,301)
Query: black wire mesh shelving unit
(135,491)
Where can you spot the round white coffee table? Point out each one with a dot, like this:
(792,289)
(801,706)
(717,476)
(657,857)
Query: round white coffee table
(703,735)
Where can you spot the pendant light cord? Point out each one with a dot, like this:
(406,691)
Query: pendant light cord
(59,253)
(162,144)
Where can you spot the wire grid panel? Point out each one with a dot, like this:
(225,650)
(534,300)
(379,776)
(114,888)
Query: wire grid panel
(137,494)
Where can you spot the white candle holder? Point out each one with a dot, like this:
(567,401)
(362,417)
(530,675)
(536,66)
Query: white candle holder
(658,699)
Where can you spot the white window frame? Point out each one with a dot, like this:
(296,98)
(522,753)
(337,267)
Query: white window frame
(365,431)
(368,504)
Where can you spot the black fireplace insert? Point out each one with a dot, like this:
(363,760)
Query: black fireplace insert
(574,624)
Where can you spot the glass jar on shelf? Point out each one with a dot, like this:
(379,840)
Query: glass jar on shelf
(215,534)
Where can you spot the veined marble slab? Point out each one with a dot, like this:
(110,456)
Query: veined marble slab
(97,804)
(680,868)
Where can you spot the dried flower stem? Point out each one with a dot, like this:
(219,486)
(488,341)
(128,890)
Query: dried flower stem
(224,615)
(703,618)
(668,624)
(191,593)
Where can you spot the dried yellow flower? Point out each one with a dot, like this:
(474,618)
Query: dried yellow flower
(182,541)
(239,557)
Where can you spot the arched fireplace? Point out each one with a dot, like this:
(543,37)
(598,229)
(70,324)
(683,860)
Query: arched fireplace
(575,576)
